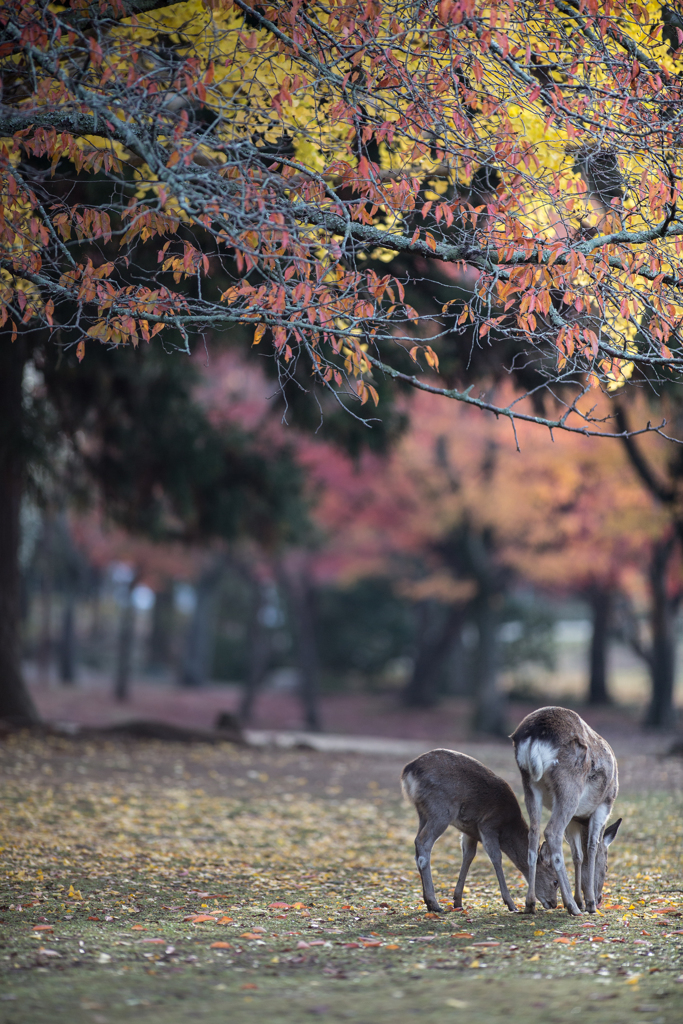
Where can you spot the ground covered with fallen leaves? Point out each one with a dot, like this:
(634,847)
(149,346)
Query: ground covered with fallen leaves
(160,882)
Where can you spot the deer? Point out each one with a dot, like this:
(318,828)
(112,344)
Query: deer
(450,788)
(569,768)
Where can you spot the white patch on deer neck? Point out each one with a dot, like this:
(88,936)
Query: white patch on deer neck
(536,757)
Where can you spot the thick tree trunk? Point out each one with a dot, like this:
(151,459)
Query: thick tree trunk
(601,600)
(660,712)
(15,701)
(259,648)
(198,654)
(124,647)
(436,642)
(301,607)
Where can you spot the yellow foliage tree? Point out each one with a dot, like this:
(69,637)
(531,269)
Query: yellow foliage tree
(283,159)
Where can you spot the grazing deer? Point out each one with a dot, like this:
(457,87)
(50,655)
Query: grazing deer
(570,769)
(448,788)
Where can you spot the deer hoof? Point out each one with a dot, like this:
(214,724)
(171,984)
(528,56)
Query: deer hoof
(590,907)
(530,908)
(512,909)
(434,908)
(573,910)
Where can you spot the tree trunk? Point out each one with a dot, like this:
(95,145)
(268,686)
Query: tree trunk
(160,644)
(67,643)
(436,641)
(44,654)
(16,704)
(601,600)
(124,649)
(259,648)
(199,641)
(489,703)
(660,712)
(301,606)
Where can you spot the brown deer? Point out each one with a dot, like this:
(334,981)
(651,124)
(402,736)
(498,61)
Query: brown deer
(570,769)
(448,788)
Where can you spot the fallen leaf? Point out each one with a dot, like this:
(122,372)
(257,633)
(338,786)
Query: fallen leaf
(158,942)
(462,935)
(43,928)
(279,906)
(138,928)
(392,945)
(224,920)
(200,918)
(249,985)
(220,945)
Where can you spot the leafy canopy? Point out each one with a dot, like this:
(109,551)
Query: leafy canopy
(278,158)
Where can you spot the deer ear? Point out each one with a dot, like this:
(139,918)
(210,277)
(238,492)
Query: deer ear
(544,855)
(611,832)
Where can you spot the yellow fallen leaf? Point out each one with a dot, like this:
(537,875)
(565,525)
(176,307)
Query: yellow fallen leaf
(475,963)
(534,957)
(634,980)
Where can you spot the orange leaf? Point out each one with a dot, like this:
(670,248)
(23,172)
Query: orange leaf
(224,920)
(80,350)
(200,918)
(281,906)
(43,928)
(138,928)
(220,945)
(249,985)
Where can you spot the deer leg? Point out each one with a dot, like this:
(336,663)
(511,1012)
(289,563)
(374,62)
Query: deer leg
(574,838)
(560,817)
(492,848)
(534,804)
(595,827)
(468,845)
(427,835)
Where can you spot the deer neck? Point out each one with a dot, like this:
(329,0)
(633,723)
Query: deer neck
(514,842)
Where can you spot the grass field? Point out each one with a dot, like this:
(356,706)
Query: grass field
(165,883)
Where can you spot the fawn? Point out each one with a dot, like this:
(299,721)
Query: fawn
(449,788)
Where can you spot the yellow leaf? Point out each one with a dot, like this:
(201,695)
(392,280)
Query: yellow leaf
(258,333)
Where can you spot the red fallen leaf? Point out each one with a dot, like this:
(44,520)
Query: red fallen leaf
(597,938)
(199,918)
(371,944)
(432,915)
(278,906)
(93,918)
(249,985)
(487,945)
(351,945)
(317,942)
(346,907)
(138,928)
(224,920)
(43,928)
(155,941)
(678,931)
(220,945)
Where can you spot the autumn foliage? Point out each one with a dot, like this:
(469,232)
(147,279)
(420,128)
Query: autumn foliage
(304,169)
